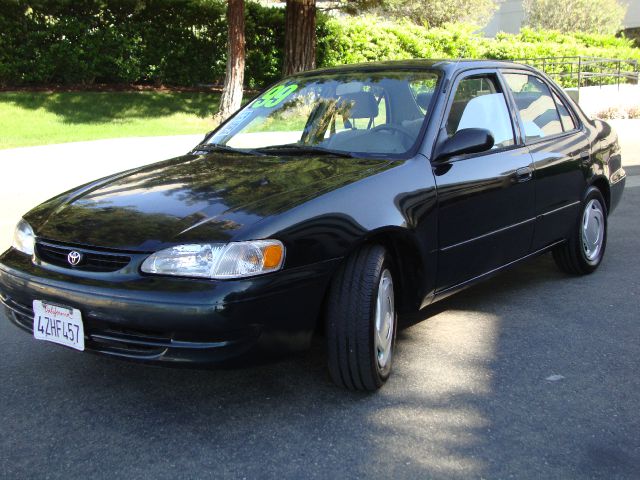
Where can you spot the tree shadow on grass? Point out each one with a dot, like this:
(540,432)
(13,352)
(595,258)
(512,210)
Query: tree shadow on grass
(101,107)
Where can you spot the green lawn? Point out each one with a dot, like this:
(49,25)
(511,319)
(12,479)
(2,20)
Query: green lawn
(41,118)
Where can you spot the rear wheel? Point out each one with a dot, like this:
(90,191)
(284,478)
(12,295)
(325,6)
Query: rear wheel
(584,250)
(361,320)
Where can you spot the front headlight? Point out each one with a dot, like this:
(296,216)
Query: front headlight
(217,260)
(24,239)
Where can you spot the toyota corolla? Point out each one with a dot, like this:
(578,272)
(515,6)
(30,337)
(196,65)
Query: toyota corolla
(334,201)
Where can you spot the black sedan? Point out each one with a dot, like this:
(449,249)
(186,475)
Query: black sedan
(331,203)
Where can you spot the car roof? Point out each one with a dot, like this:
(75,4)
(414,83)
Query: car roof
(447,65)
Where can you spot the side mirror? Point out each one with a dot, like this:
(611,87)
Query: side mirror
(467,140)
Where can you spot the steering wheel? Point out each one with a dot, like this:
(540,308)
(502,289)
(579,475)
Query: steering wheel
(395,128)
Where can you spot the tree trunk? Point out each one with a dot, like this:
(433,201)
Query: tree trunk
(300,36)
(231,98)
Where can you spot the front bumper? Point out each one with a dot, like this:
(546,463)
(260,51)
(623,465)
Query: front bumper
(173,320)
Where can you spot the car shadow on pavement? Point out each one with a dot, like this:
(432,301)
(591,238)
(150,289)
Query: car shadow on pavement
(279,416)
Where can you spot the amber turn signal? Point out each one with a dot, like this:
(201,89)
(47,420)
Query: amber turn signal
(272,256)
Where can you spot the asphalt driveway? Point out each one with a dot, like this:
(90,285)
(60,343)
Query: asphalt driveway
(533,374)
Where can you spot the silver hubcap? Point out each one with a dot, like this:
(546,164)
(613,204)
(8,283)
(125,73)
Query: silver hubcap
(385,319)
(592,230)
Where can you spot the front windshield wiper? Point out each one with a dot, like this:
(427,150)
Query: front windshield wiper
(304,149)
(212,147)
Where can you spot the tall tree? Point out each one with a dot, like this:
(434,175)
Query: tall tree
(231,98)
(592,16)
(433,13)
(300,36)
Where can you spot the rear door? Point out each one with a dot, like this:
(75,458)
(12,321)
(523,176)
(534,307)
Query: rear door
(486,201)
(559,149)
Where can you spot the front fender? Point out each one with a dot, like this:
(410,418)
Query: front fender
(398,202)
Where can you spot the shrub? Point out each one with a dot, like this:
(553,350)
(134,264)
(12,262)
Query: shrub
(434,13)
(619,112)
(182,42)
(174,42)
(361,39)
(602,16)
(367,38)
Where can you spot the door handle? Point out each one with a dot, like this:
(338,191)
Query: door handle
(585,157)
(523,174)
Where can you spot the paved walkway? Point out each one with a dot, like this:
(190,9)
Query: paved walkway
(31,175)
(629,135)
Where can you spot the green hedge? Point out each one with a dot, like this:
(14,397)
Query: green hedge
(182,42)
(366,39)
(174,42)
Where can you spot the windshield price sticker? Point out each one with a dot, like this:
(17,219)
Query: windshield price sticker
(275,96)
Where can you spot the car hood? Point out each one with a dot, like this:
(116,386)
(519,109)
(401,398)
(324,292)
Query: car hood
(208,198)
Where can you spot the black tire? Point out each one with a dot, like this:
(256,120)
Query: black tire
(571,256)
(351,321)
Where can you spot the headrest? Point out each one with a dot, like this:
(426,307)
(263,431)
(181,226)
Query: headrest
(524,99)
(535,107)
(488,111)
(363,104)
(424,99)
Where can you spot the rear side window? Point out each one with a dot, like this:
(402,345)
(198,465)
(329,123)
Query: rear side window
(479,103)
(537,107)
(565,117)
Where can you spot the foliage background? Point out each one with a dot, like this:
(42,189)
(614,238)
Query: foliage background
(598,16)
(182,42)
(432,13)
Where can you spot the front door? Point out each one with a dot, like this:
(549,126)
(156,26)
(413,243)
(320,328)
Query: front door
(486,208)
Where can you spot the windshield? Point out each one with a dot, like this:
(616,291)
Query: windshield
(350,112)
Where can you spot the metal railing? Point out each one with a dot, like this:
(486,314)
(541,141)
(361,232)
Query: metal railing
(587,71)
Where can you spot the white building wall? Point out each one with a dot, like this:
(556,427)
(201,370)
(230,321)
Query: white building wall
(632,19)
(508,18)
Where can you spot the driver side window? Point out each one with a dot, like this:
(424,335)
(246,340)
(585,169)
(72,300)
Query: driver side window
(480,103)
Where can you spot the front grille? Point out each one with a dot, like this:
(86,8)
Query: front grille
(92,261)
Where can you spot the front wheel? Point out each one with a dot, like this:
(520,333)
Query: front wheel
(584,250)
(361,320)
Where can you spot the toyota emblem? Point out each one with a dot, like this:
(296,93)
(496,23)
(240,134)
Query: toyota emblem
(74,258)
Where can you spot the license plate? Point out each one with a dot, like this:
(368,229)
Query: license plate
(58,324)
